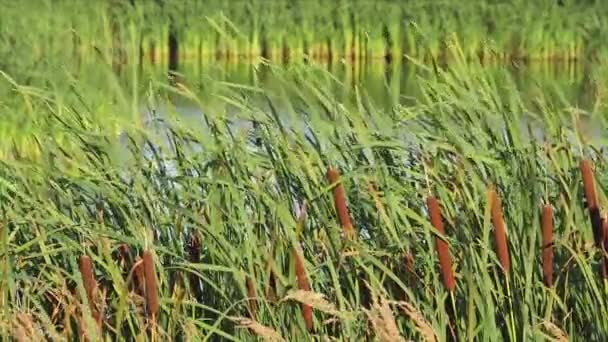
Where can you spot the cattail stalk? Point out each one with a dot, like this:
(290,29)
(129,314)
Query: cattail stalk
(303,284)
(139,278)
(251,297)
(151,285)
(604,249)
(547,226)
(500,234)
(333,176)
(591,198)
(194,254)
(445,259)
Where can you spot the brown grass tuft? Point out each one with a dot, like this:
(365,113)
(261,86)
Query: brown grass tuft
(151,285)
(547,225)
(445,259)
(303,284)
(264,332)
(380,315)
(333,176)
(555,332)
(424,328)
(591,198)
(316,300)
(25,329)
(500,234)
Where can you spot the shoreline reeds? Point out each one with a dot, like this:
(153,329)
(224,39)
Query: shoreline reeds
(547,247)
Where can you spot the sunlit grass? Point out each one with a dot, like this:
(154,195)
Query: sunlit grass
(212,212)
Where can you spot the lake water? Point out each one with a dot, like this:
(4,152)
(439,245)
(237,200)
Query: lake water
(386,84)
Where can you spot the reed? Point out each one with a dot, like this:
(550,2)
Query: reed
(441,246)
(194,255)
(547,248)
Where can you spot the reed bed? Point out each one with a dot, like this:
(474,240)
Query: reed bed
(219,203)
(171,30)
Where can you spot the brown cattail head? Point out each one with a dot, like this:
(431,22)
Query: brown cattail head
(547,225)
(591,198)
(303,284)
(251,296)
(151,284)
(90,287)
(333,176)
(588,184)
(445,259)
(88,278)
(500,234)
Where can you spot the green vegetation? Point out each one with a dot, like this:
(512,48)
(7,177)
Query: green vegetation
(295,30)
(136,206)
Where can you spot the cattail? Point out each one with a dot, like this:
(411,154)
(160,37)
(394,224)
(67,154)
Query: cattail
(194,254)
(151,285)
(588,184)
(89,283)
(124,258)
(303,285)
(604,264)
(410,271)
(251,295)
(340,202)
(591,198)
(500,234)
(445,260)
(547,223)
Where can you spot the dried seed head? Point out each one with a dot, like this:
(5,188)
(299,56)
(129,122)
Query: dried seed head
(266,333)
(445,259)
(333,176)
(424,328)
(151,284)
